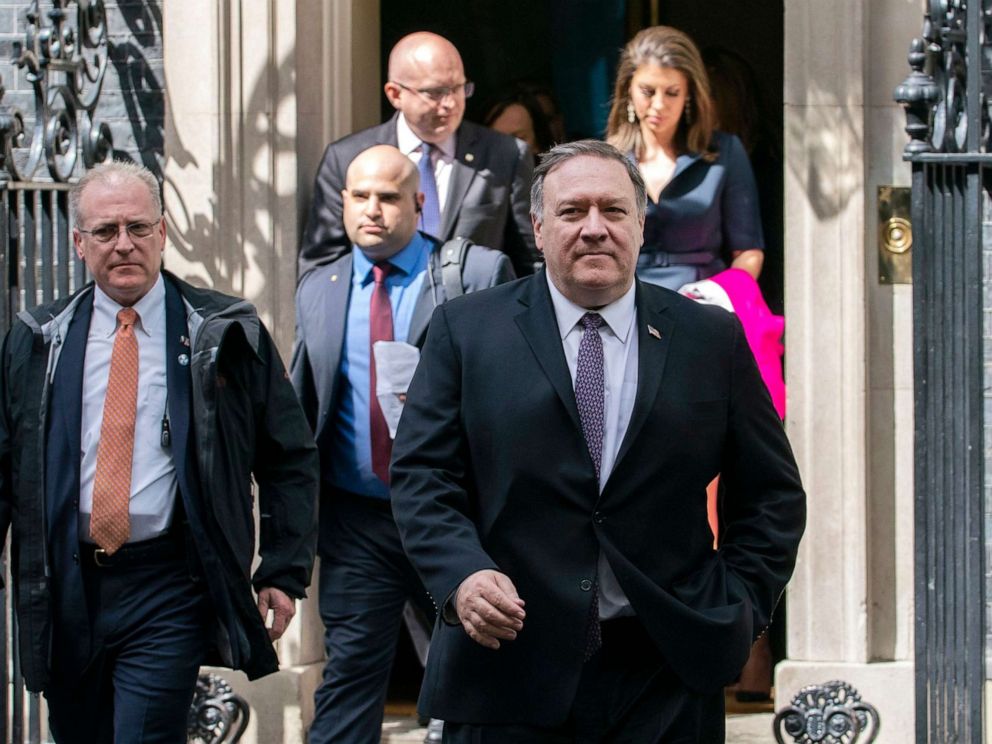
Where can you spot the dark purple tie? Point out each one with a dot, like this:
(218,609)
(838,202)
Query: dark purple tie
(380,329)
(589,389)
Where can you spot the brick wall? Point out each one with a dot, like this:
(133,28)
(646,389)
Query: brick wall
(132,100)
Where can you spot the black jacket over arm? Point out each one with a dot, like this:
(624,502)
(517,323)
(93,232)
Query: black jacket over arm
(240,419)
(491,470)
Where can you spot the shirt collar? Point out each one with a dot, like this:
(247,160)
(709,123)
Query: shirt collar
(150,310)
(618,315)
(409,143)
(411,259)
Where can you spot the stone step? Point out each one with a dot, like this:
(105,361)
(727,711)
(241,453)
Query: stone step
(750,728)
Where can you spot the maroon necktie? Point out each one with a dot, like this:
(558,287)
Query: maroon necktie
(380,329)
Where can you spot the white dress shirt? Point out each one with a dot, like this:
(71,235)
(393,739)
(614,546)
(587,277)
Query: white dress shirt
(153,475)
(444,156)
(619,334)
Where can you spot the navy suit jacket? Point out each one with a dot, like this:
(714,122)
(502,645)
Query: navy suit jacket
(72,642)
(488,196)
(491,471)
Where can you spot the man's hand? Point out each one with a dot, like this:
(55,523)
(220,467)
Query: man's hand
(489,608)
(283,608)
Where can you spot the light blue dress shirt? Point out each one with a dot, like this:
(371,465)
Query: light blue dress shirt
(351,449)
(153,472)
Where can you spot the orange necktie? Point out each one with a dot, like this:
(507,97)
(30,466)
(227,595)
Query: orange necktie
(109,523)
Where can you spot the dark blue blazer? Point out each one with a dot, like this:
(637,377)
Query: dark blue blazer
(72,644)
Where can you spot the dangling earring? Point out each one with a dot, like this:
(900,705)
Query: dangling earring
(687,110)
(631,116)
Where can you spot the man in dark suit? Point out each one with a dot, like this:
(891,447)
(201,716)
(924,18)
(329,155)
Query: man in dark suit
(475,180)
(132,414)
(385,289)
(549,485)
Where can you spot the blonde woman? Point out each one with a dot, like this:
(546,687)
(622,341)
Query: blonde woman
(703,203)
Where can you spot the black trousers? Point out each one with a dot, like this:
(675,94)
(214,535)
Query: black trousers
(627,694)
(365,580)
(149,619)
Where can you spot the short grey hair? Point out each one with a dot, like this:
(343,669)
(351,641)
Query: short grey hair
(595,148)
(115,171)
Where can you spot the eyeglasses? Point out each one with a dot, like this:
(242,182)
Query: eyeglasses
(111,231)
(437,95)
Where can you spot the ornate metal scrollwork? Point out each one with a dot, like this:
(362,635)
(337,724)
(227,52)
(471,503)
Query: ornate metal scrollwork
(833,713)
(64,56)
(936,93)
(217,715)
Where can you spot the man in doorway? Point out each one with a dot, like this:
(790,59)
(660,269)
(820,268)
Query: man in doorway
(133,415)
(549,485)
(384,289)
(475,181)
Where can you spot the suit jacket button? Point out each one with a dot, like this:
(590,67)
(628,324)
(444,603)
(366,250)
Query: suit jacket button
(585,585)
(597,517)
(75,557)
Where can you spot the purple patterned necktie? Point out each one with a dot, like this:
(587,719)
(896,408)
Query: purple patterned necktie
(430,214)
(589,387)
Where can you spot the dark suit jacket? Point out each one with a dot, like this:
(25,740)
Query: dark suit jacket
(231,412)
(322,316)
(488,198)
(71,639)
(491,470)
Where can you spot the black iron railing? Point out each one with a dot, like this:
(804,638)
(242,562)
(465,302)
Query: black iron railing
(947,110)
(64,56)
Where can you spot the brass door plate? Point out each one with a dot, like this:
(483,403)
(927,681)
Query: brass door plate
(895,235)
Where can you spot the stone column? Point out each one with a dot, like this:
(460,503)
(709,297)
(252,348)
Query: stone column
(255,90)
(850,605)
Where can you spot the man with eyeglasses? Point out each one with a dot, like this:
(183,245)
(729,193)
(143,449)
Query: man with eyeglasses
(133,415)
(476,181)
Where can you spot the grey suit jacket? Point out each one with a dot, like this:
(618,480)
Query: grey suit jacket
(322,315)
(488,198)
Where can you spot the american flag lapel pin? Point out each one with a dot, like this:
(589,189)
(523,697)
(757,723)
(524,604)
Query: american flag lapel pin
(654,332)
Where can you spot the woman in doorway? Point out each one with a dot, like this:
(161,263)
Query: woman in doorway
(703,210)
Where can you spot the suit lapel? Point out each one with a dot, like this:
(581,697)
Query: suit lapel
(177,358)
(71,365)
(539,327)
(461,177)
(427,300)
(325,331)
(422,312)
(652,353)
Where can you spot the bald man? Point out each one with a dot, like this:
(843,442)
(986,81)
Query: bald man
(385,288)
(476,182)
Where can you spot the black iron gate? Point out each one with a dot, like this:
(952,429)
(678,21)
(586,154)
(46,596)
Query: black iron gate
(64,57)
(947,104)
(38,264)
